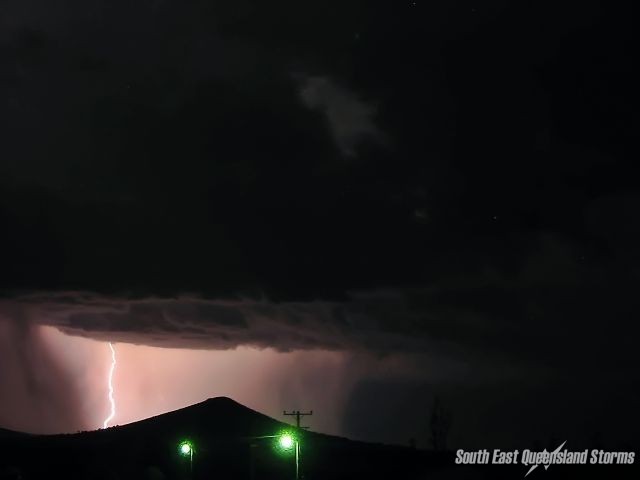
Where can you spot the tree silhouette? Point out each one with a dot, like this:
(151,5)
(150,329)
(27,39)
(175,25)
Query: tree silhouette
(440,425)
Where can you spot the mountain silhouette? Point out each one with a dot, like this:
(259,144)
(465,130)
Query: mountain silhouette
(219,419)
(9,434)
(232,441)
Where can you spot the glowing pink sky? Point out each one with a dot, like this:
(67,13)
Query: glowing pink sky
(149,381)
(51,382)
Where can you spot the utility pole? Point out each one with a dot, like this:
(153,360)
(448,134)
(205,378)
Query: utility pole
(298,414)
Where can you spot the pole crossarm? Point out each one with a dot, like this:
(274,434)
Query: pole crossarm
(298,414)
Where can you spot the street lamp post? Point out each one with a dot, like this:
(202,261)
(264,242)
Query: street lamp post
(186,448)
(298,414)
(297,460)
(285,442)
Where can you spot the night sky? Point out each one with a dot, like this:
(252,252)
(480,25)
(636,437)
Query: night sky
(351,207)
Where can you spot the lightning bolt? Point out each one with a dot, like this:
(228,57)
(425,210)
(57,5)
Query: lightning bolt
(546,467)
(112,402)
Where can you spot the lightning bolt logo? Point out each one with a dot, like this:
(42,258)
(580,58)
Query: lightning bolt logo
(546,467)
(112,403)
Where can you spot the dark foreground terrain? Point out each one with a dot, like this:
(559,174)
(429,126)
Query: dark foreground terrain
(225,436)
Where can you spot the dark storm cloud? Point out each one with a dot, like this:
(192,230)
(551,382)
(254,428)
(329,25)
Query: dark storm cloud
(351,120)
(164,148)
(160,147)
(95,80)
(173,143)
(203,323)
(556,313)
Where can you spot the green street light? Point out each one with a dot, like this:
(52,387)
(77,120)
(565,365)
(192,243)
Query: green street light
(186,450)
(286,442)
